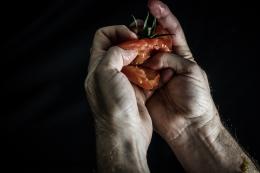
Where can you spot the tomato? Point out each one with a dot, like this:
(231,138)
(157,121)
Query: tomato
(144,77)
(147,46)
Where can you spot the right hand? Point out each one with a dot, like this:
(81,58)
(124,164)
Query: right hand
(183,105)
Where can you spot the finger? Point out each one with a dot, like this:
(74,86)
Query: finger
(148,94)
(175,62)
(168,21)
(105,38)
(116,58)
(166,75)
(140,95)
(110,35)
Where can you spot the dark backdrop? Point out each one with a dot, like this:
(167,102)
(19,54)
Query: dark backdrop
(46,52)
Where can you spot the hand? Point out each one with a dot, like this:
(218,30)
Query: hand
(183,104)
(183,112)
(123,125)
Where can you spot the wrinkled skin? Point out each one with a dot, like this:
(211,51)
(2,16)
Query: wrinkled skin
(181,109)
(118,106)
(183,101)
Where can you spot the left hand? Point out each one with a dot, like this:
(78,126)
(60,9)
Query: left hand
(121,118)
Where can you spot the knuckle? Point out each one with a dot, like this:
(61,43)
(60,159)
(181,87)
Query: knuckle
(97,74)
(90,50)
(103,30)
(88,85)
(192,66)
(164,60)
(204,73)
(123,27)
(100,31)
(114,50)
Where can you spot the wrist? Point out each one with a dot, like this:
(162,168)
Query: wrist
(210,148)
(122,129)
(205,129)
(196,143)
(121,154)
(120,150)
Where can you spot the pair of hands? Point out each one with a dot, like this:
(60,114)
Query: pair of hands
(180,107)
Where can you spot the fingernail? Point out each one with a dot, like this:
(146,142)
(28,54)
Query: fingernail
(133,35)
(130,53)
(161,6)
(159,9)
(129,56)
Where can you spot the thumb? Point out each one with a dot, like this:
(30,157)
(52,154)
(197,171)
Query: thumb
(117,57)
(168,21)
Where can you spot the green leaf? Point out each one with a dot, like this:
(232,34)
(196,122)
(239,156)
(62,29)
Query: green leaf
(149,32)
(154,25)
(135,21)
(146,21)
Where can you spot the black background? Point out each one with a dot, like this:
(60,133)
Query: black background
(46,52)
